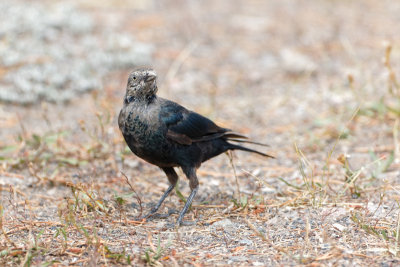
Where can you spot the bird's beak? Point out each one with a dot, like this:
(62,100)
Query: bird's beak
(151,76)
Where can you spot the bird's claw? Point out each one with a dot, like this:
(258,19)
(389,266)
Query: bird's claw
(153,214)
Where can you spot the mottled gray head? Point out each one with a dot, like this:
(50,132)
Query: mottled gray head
(141,85)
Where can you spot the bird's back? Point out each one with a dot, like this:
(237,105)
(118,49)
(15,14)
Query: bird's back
(166,134)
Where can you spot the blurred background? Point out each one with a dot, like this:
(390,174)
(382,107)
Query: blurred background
(316,80)
(265,57)
(288,70)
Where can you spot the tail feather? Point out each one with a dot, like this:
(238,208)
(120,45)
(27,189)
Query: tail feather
(238,147)
(236,137)
(233,135)
(248,142)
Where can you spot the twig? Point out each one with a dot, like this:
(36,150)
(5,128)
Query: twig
(396,140)
(326,170)
(397,248)
(1,225)
(230,155)
(308,228)
(261,181)
(139,200)
(252,227)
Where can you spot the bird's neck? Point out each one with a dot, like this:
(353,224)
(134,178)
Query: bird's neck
(150,99)
(142,100)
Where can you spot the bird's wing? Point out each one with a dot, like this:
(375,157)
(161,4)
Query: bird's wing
(186,127)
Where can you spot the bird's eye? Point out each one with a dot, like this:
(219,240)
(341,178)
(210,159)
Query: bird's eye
(129,99)
(134,77)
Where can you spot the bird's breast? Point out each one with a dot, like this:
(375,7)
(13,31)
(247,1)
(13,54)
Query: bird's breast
(145,134)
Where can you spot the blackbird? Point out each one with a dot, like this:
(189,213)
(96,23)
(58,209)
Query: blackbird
(168,135)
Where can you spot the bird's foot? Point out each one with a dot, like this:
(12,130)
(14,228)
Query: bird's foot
(153,215)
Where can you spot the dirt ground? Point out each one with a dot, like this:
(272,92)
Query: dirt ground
(319,81)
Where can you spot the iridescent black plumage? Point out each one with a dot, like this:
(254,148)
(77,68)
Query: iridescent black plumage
(168,135)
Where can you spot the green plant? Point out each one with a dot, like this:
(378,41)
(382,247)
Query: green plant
(152,255)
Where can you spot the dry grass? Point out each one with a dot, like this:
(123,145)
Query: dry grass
(72,192)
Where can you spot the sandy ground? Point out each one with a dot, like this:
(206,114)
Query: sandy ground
(316,80)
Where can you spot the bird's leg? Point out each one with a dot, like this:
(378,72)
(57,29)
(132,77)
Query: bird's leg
(190,173)
(172,178)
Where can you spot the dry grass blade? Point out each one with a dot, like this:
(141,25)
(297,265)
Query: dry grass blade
(230,155)
(138,199)
(329,198)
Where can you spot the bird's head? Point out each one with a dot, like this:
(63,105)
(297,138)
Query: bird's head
(141,86)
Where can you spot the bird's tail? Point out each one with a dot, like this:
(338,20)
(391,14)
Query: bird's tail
(235,137)
(239,147)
